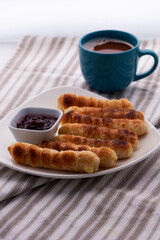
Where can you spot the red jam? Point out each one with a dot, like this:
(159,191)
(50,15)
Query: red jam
(36,122)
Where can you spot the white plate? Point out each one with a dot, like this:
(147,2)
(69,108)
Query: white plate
(146,146)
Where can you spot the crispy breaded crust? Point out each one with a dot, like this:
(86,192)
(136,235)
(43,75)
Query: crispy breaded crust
(123,149)
(28,154)
(67,100)
(93,131)
(106,155)
(107,112)
(135,125)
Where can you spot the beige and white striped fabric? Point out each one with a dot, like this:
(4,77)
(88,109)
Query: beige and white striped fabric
(121,205)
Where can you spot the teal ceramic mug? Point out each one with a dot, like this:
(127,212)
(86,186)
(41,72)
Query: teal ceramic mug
(113,71)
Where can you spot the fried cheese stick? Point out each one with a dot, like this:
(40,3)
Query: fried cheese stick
(28,154)
(135,125)
(123,149)
(67,100)
(107,112)
(106,155)
(93,131)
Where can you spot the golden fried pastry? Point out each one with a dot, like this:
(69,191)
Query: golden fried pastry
(108,112)
(67,100)
(106,155)
(28,154)
(123,149)
(135,125)
(93,131)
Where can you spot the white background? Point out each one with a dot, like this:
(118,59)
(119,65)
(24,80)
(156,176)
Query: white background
(74,18)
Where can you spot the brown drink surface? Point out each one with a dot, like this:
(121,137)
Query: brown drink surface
(104,45)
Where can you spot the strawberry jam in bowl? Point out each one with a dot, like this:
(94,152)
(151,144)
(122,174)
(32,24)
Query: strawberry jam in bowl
(36,122)
(34,125)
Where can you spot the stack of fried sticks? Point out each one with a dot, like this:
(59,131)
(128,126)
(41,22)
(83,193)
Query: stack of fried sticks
(93,134)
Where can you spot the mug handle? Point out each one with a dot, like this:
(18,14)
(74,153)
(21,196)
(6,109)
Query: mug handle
(154,55)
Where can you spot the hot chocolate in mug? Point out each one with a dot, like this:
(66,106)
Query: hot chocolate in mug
(109,59)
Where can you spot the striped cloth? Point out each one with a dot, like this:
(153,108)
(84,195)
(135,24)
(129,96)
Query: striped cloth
(121,205)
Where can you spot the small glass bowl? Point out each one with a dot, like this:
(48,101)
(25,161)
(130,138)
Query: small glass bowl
(34,136)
